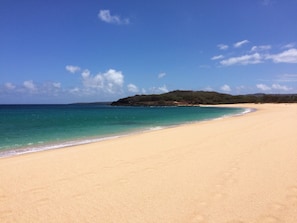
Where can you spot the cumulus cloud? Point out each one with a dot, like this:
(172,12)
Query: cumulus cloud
(159,90)
(226,88)
(239,44)
(105,16)
(29,85)
(243,60)
(56,85)
(9,86)
(281,87)
(72,69)
(161,75)
(110,81)
(222,46)
(278,87)
(208,89)
(132,88)
(74,90)
(263,87)
(288,56)
(218,57)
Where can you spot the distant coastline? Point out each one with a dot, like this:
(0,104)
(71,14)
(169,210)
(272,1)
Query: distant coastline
(195,98)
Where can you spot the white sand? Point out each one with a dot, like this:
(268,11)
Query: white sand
(235,170)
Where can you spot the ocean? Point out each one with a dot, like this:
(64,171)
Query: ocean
(30,128)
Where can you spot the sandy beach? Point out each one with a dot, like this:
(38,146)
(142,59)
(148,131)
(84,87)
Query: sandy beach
(240,169)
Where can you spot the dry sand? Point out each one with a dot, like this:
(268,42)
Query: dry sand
(235,170)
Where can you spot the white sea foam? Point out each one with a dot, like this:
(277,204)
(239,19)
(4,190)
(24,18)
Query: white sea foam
(156,128)
(38,148)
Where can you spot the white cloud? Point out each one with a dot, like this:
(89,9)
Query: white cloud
(263,87)
(223,46)
(163,89)
(289,46)
(239,44)
(208,89)
(111,81)
(85,74)
(260,48)
(105,16)
(243,60)
(288,56)
(161,75)
(159,90)
(217,57)
(56,85)
(132,88)
(9,86)
(287,78)
(72,69)
(74,90)
(29,85)
(280,87)
(226,88)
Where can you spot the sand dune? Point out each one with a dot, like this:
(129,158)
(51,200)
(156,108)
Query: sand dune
(235,170)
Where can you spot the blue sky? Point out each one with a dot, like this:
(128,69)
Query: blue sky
(63,51)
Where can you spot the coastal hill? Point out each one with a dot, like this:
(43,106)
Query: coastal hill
(187,98)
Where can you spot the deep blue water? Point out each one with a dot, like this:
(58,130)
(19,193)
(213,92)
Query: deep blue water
(26,128)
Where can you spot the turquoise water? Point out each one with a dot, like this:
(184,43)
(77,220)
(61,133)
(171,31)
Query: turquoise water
(27,128)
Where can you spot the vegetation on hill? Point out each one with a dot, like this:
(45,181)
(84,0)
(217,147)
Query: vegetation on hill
(180,98)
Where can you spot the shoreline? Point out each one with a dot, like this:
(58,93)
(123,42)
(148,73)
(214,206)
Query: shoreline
(239,169)
(85,140)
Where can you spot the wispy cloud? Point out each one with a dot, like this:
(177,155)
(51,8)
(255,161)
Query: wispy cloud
(218,57)
(72,69)
(105,16)
(260,56)
(222,46)
(287,78)
(241,43)
(288,56)
(260,48)
(161,75)
(243,60)
(289,46)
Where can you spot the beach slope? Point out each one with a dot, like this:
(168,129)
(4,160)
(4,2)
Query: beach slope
(239,169)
